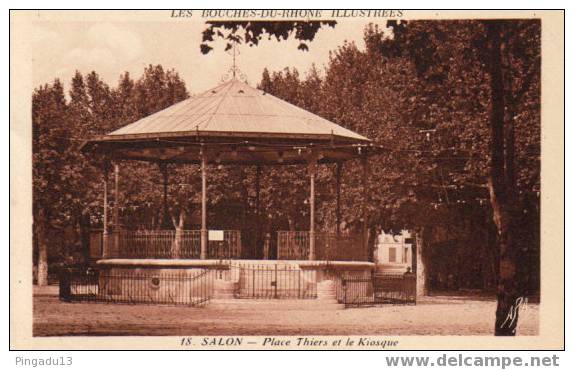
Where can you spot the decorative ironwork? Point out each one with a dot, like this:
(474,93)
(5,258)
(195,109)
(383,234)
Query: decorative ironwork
(168,244)
(185,287)
(295,245)
(368,290)
(275,282)
(234,73)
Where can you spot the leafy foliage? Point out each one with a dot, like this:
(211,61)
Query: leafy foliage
(67,185)
(458,105)
(251,32)
(423,93)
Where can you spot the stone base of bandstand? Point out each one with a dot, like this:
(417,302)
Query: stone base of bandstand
(224,281)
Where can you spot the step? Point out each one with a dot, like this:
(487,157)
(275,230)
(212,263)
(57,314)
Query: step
(326,291)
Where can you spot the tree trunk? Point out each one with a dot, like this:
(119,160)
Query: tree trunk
(507,285)
(84,225)
(502,191)
(42,278)
(420,260)
(178,241)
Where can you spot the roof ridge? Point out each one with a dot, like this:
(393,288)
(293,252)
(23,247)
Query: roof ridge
(225,94)
(210,90)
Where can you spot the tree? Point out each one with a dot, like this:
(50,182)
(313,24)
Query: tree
(157,89)
(80,119)
(49,137)
(253,32)
(67,184)
(507,53)
(502,181)
(430,95)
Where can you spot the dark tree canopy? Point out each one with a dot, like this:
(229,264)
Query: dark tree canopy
(426,94)
(463,133)
(251,32)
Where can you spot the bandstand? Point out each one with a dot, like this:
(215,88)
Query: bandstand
(232,124)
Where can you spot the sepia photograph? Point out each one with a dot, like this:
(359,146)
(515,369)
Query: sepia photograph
(288,178)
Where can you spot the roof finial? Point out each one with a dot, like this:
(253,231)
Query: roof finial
(234,72)
(234,68)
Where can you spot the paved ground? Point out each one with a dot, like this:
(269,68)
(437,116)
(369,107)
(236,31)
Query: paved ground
(439,315)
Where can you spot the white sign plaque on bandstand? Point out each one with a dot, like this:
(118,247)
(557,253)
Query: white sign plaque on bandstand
(215,235)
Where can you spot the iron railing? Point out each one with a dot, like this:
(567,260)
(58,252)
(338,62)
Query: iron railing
(341,277)
(357,291)
(192,288)
(169,244)
(294,245)
(275,282)
(78,284)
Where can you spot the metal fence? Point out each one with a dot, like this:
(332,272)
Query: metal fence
(341,277)
(333,247)
(294,245)
(275,282)
(170,244)
(357,291)
(193,288)
(78,285)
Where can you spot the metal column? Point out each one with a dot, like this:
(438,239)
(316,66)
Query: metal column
(203,253)
(312,172)
(105,235)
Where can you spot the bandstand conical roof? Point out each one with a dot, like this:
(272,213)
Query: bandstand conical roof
(236,108)
(231,113)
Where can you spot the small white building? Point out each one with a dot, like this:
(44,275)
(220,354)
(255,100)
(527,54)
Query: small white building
(394,252)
